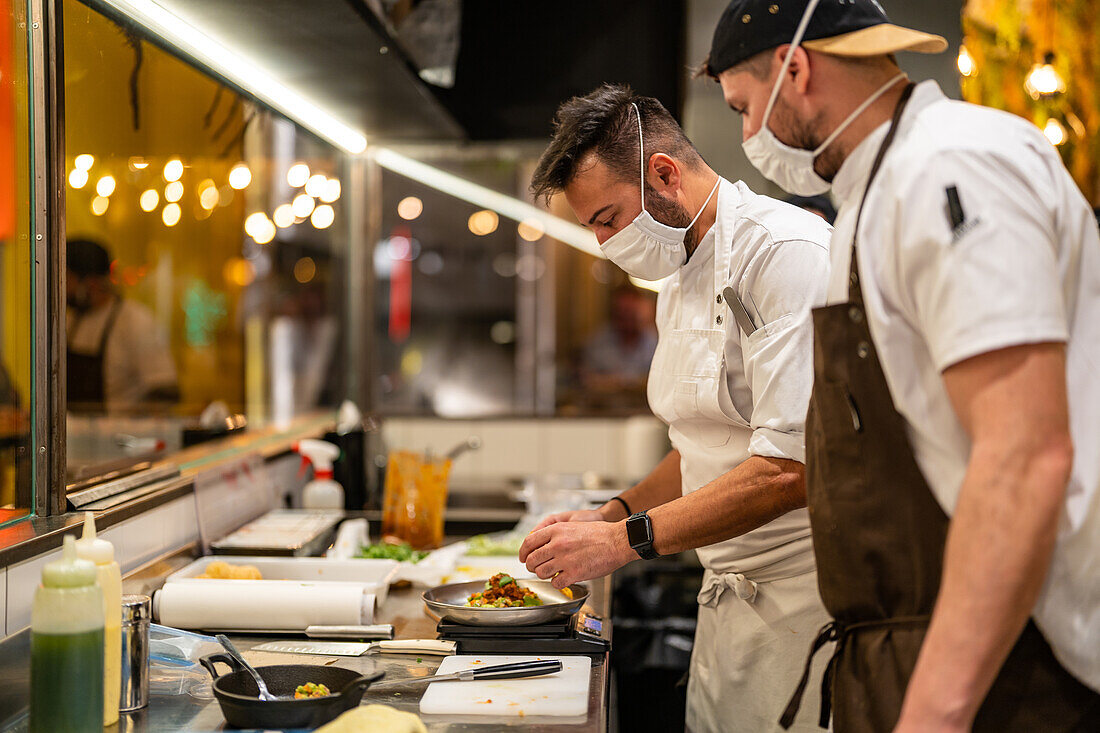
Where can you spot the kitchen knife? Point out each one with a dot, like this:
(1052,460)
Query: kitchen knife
(514,671)
(740,314)
(377,631)
(426,647)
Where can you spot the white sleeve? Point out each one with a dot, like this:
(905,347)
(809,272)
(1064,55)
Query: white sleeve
(991,282)
(783,284)
(152,363)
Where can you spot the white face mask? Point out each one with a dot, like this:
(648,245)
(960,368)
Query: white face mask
(793,168)
(645,248)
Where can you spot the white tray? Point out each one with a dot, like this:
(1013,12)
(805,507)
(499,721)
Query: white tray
(375,574)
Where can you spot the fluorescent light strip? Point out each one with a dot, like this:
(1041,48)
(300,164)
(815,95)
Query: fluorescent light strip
(246,75)
(564,231)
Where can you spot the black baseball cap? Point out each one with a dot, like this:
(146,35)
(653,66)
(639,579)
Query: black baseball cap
(837,27)
(86,258)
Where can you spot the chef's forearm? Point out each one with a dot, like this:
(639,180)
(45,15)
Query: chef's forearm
(661,486)
(751,495)
(998,551)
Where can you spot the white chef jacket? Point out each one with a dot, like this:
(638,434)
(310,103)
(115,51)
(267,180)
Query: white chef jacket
(136,359)
(776,257)
(1024,267)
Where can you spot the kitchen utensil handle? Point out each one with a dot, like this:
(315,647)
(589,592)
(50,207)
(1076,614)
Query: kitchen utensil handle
(210,662)
(235,653)
(363,681)
(517,670)
(433,647)
(376,631)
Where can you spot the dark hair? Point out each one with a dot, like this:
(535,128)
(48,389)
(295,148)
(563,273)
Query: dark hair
(759,65)
(603,123)
(815,203)
(86,258)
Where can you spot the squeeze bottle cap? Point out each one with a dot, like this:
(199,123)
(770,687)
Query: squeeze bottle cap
(90,547)
(70,571)
(320,453)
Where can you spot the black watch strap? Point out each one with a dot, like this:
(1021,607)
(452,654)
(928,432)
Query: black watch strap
(639,532)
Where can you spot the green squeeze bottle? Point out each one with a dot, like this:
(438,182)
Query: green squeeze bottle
(67,647)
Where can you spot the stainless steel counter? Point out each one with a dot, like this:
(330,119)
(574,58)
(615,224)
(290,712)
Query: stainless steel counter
(405,611)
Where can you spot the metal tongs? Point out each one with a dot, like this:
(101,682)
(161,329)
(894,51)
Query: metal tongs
(514,671)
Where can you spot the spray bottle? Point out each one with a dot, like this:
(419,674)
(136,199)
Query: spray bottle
(102,553)
(67,647)
(322,492)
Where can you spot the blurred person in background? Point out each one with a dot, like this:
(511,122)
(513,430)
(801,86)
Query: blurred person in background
(118,360)
(615,362)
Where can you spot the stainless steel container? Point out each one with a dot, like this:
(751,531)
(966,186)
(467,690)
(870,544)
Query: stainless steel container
(136,614)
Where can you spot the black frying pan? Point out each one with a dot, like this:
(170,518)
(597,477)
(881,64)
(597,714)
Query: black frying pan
(238,695)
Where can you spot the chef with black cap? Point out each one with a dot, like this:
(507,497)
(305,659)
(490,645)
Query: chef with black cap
(956,529)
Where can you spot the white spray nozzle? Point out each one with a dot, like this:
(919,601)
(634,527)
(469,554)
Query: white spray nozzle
(91,547)
(320,453)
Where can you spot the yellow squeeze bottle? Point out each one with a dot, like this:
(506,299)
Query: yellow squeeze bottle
(109,578)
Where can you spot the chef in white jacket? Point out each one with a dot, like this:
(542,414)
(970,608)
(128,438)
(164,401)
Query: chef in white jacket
(731,377)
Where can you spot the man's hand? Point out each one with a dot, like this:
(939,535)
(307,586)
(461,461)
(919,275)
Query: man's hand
(569,552)
(580,515)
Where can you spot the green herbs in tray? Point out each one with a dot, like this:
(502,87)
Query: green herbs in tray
(402,552)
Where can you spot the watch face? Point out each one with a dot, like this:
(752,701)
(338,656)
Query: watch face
(638,531)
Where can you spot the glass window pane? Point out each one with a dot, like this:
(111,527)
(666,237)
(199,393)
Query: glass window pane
(206,252)
(16,275)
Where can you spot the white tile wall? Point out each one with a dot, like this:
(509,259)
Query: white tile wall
(23,579)
(614,448)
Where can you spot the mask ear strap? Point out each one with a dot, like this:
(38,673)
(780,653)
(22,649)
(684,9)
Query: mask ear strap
(856,113)
(799,33)
(641,152)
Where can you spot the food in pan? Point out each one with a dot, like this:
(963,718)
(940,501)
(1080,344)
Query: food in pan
(310,689)
(219,570)
(502,591)
(400,551)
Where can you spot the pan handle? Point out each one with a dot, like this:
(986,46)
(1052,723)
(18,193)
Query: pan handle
(363,681)
(210,660)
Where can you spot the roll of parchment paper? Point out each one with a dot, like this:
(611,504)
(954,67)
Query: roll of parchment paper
(258,605)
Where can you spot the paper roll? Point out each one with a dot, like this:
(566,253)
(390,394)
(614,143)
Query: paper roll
(257,605)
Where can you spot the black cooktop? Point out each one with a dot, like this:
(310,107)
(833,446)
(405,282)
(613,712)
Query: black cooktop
(583,633)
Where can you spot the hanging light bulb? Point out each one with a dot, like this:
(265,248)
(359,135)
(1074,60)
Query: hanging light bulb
(240,176)
(149,199)
(78,177)
(297,176)
(965,62)
(173,170)
(1044,80)
(105,186)
(1055,132)
(302,205)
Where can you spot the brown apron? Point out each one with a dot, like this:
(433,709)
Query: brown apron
(86,374)
(879,537)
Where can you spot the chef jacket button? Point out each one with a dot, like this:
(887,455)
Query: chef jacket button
(863,349)
(718,299)
(855,314)
(718,320)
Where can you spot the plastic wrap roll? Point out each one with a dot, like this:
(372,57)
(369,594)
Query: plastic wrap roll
(258,605)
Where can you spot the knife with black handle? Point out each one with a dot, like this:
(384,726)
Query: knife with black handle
(514,671)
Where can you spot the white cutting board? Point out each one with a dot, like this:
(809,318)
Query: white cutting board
(564,693)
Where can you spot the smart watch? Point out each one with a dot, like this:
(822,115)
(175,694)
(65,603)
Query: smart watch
(639,533)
